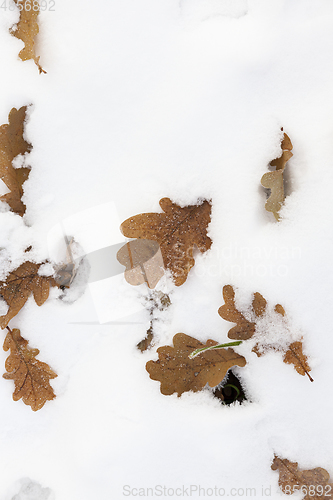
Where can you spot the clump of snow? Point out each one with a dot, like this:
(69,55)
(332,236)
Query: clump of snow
(31,490)
(274,331)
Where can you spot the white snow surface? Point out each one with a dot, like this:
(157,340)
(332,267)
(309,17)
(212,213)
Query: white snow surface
(145,99)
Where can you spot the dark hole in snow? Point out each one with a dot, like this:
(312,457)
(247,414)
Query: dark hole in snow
(230,390)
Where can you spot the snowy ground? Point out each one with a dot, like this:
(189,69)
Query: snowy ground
(181,98)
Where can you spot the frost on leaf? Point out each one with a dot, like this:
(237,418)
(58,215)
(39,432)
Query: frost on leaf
(246,329)
(177,231)
(27,29)
(313,483)
(274,180)
(178,373)
(13,144)
(31,376)
(19,285)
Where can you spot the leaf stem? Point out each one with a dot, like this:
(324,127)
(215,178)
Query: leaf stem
(209,348)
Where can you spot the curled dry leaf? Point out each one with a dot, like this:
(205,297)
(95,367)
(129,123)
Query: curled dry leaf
(246,329)
(177,231)
(178,373)
(31,376)
(314,483)
(13,144)
(19,285)
(274,180)
(27,29)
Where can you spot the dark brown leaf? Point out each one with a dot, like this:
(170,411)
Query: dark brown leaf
(31,376)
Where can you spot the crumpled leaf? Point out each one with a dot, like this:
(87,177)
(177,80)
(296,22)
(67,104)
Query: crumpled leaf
(177,231)
(178,373)
(274,180)
(19,285)
(12,144)
(315,482)
(246,329)
(31,376)
(27,29)
(143,262)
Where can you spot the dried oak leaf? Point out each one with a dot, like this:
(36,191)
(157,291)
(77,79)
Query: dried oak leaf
(177,231)
(27,29)
(19,285)
(244,329)
(315,482)
(12,144)
(178,373)
(296,357)
(143,262)
(274,180)
(31,376)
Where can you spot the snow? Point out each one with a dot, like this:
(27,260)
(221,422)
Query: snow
(182,99)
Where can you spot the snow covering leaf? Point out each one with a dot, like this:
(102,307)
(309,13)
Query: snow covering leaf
(314,483)
(19,285)
(27,29)
(274,180)
(31,376)
(177,231)
(12,144)
(143,262)
(244,329)
(178,373)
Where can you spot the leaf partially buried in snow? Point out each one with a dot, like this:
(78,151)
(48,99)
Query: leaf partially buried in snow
(178,373)
(13,144)
(313,483)
(177,231)
(27,29)
(274,180)
(31,376)
(245,329)
(19,285)
(143,262)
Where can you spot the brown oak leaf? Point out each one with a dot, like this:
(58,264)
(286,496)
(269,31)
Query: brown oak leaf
(274,180)
(27,29)
(19,285)
(314,483)
(12,144)
(245,329)
(177,231)
(296,357)
(178,373)
(31,376)
(143,262)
